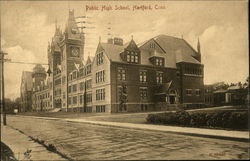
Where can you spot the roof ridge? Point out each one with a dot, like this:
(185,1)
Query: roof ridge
(167,36)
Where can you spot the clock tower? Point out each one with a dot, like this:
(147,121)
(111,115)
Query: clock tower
(72,49)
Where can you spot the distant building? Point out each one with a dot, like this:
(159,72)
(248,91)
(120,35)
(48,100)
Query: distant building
(26,91)
(209,95)
(220,94)
(41,90)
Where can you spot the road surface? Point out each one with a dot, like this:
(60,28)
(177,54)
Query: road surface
(82,141)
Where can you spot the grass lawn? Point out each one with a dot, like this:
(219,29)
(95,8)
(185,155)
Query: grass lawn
(139,118)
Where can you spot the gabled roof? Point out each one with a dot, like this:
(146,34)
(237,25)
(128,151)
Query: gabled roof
(182,57)
(174,50)
(89,61)
(183,51)
(112,51)
(170,43)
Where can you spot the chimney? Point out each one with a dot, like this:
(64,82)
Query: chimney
(110,41)
(118,41)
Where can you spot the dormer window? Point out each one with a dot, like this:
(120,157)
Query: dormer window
(132,57)
(159,61)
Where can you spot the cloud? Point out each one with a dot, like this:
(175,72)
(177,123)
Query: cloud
(224,53)
(13,71)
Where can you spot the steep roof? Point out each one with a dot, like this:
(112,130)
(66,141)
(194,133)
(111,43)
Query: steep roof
(183,57)
(174,50)
(183,51)
(112,51)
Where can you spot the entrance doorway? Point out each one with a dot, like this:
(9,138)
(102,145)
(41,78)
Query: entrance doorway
(171,99)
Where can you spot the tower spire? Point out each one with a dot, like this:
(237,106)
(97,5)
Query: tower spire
(198,46)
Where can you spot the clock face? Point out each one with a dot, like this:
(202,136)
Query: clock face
(75,52)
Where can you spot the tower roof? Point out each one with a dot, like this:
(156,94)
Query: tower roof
(71,27)
(39,69)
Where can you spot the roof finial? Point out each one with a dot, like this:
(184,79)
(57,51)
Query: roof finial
(182,36)
(99,39)
(132,37)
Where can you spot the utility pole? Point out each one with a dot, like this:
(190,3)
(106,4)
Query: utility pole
(3,111)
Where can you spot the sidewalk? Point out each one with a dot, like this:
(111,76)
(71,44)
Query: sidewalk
(20,144)
(210,133)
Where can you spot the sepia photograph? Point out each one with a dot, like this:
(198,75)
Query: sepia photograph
(124,80)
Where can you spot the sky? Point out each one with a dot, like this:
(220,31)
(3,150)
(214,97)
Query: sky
(222,28)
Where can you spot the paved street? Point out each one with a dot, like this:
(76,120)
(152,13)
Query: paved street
(88,142)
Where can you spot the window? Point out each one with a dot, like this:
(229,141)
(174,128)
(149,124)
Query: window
(81,98)
(89,97)
(198,92)
(121,74)
(81,72)
(143,76)
(132,57)
(159,76)
(69,101)
(100,76)
(74,75)
(75,100)
(74,88)
(100,108)
(159,61)
(81,86)
(63,80)
(152,45)
(143,93)
(99,58)
(58,81)
(144,107)
(69,89)
(88,83)
(100,94)
(193,70)
(88,71)
(128,58)
(189,92)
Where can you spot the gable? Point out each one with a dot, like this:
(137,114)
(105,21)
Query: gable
(152,46)
(132,46)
